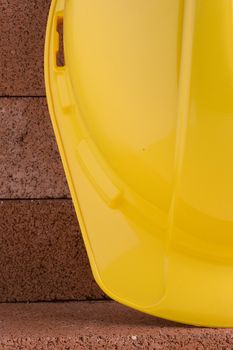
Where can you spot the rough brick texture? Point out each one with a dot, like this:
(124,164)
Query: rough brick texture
(22,36)
(100,326)
(42,256)
(30,165)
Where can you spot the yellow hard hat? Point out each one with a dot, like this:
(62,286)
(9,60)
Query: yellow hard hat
(143,115)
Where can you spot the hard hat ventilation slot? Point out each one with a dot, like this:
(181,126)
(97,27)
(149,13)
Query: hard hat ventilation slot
(60,58)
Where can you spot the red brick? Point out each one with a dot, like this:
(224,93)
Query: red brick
(30,164)
(23,24)
(99,325)
(42,256)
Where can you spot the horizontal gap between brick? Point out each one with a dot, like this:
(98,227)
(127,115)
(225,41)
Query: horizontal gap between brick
(61,301)
(18,96)
(35,199)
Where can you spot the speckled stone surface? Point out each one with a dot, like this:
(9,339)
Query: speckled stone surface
(99,325)
(23,24)
(30,164)
(42,256)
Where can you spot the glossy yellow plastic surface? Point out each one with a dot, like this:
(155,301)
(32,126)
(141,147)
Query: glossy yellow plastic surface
(143,115)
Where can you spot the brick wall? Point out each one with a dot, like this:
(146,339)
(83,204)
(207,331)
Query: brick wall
(42,255)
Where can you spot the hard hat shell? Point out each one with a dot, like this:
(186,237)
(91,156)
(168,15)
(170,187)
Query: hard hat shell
(143,115)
